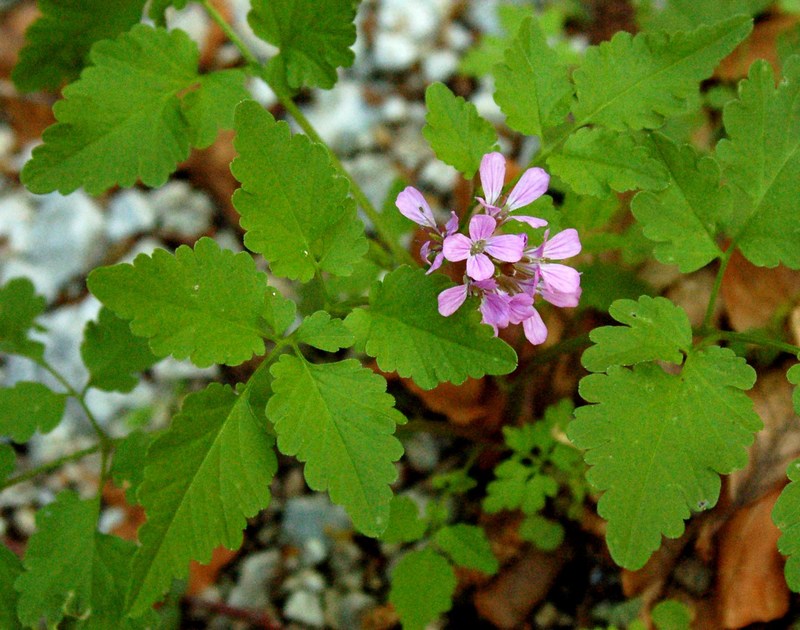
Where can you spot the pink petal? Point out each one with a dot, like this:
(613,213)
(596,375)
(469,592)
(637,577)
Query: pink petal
(493,172)
(531,186)
(562,300)
(437,262)
(532,221)
(565,244)
(507,247)
(494,309)
(479,267)
(489,284)
(520,308)
(451,227)
(560,278)
(490,209)
(451,299)
(456,247)
(481,227)
(535,330)
(412,205)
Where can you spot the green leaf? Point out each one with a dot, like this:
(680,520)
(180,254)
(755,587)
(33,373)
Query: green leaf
(468,547)
(73,570)
(655,329)
(683,218)
(320,331)
(761,159)
(10,570)
(279,312)
(294,207)
(597,161)
(113,355)
(657,441)
(124,119)
(129,461)
(518,486)
(314,37)
(204,303)
(339,420)
(405,525)
(8,461)
(532,87)
(639,81)
(158,9)
(685,15)
(19,308)
(547,535)
(786,517)
(793,375)
(405,333)
(203,478)
(211,104)
(671,615)
(423,584)
(603,282)
(27,407)
(57,44)
(455,130)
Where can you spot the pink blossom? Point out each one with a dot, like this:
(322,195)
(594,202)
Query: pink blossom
(413,205)
(504,247)
(558,284)
(531,186)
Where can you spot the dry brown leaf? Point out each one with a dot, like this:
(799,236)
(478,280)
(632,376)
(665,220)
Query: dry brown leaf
(134,514)
(750,583)
(201,576)
(760,45)
(753,294)
(476,401)
(209,169)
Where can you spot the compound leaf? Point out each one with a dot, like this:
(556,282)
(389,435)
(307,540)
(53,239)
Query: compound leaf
(656,443)
(27,407)
(339,420)
(638,81)
(532,87)
(786,517)
(405,525)
(405,333)
(73,570)
(314,38)
(124,119)
(203,478)
(597,161)
(204,303)
(291,200)
(320,331)
(761,159)
(113,354)
(683,218)
(19,307)
(467,546)
(455,130)
(57,44)
(423,584)
(655,329)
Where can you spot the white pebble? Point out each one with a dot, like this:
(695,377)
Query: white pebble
(439,65)
(304,607)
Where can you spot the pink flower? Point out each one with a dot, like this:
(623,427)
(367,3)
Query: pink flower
(494,304)
(412,205)
(558,284)
(531,186)
(505,247)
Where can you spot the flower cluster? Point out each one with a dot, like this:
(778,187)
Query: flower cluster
(501,269)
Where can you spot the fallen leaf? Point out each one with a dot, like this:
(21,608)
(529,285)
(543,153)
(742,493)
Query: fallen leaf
(201,576)
(760,45)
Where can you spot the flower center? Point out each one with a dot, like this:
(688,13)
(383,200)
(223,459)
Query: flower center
(477,247)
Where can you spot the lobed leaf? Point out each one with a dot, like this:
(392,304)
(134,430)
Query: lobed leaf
(547,535)
(793,375)
(314,38)
(293,205)
(202,479)
(638,81)
(685,15)
(455,130)
(467,546)
(533,89)
(131,116)
(404,525)
(684,217)
(57,44)
(279,312)
(28,407)
(320,331)
(655,329)
(656,443)
(113,354)
(205,303)
(786,517)
(19,308)
(405,333)
(423,584)
(599,161)
(211,104)
(339,420)
(761,160)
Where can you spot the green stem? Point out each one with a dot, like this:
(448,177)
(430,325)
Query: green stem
(712,300)
(45,468)
(399,253)
(712,335)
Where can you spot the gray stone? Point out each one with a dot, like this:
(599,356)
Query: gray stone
(130,212)
(256,575)
(304,607)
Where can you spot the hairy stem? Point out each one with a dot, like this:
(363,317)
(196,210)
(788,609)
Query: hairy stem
(398,252)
